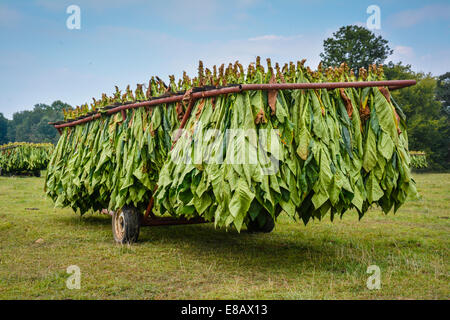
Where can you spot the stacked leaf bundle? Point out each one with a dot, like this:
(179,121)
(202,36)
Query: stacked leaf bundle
(244,156)
(418,159)
(334,150)
(18,157)
(110,162)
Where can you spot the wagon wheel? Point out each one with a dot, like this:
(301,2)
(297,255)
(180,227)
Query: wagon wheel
(264,223)
(126,225)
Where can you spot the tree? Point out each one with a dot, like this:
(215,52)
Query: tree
(3,129)
(443,91)
(428,124)
(357,46)
(32,126)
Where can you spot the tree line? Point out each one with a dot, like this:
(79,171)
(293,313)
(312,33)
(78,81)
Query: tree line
(426,105)
(32,125)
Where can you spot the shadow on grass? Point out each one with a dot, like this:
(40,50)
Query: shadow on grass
(206,239)
(277,251)
(195,234)
(87,219)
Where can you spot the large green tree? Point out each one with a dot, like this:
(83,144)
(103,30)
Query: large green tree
(32,126)
(3,129)
(355,45)
(428,123)
(443,90)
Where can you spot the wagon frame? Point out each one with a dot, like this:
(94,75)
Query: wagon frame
(126,222)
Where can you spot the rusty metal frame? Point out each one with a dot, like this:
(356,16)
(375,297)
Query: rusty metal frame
(169,221)
(150,220)
(391,84)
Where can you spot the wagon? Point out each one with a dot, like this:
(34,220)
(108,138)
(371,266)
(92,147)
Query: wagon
(21,158)
(127,220)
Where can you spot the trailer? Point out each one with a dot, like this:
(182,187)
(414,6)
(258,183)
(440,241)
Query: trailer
(127,221)
(24,159)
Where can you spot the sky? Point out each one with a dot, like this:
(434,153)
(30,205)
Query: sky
(123,42)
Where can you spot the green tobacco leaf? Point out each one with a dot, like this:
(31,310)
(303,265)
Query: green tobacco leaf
(238,160)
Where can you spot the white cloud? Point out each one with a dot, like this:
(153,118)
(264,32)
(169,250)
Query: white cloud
(206,15)
(98,5)
(402,53)
(76,81)
(408,18)
(272,37)
(247,3)
(360,24)
(196,15)
(9,17)
(279,48)
(435,61)
(51,5)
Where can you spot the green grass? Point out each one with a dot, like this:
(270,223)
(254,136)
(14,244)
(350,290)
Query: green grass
(322,260)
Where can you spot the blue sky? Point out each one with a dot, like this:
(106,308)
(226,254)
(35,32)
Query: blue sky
(127,41)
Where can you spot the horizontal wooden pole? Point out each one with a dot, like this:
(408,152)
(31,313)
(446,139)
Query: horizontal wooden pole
(392,84)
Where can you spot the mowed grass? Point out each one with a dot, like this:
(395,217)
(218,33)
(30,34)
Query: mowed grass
(322,260)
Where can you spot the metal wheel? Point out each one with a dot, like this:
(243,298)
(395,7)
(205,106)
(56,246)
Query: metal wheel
(126,225)
(264,223)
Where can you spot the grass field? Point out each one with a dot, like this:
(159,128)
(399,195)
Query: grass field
(323,260)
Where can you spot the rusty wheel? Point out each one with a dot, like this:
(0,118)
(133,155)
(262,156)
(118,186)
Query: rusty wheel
(126,225)
(264,224)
